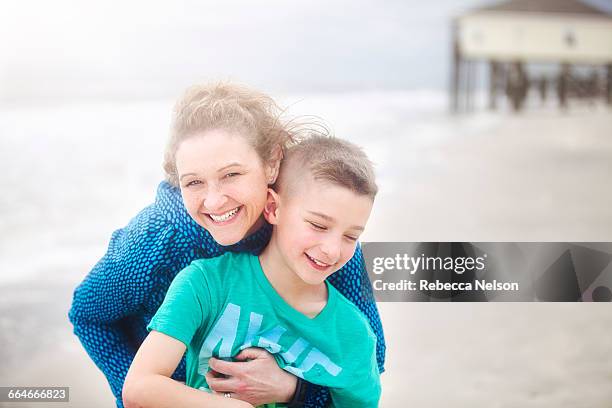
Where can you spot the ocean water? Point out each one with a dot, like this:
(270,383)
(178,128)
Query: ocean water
(74,173)
(71,174)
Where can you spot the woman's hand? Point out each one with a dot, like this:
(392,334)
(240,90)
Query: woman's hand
(258,380)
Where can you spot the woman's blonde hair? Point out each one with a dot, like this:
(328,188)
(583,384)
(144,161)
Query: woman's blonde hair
(230,107)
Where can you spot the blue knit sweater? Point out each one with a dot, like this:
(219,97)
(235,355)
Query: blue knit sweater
(115,302)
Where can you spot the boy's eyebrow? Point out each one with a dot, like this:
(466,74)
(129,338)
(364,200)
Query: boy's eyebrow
(318,214)
(330,219)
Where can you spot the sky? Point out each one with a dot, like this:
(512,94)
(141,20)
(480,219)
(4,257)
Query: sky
(69,49)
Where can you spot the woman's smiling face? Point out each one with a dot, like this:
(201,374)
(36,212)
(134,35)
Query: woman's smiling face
(223,183)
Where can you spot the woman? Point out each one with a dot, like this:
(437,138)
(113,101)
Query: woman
(232,139)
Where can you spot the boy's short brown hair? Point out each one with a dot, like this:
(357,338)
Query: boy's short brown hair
(327,158)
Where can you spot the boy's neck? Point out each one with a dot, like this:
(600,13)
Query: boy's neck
(305,298)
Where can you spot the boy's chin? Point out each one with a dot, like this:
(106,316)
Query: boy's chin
(313,278)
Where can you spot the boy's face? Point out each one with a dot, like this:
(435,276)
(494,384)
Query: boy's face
(316,228)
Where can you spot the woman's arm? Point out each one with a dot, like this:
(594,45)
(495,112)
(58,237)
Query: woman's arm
(115,288)
(148,382)
(114,365)
(353,282)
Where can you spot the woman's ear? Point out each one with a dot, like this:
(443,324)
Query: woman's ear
(271,207)
(274,164)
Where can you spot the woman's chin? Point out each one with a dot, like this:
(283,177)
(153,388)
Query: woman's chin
(226,238)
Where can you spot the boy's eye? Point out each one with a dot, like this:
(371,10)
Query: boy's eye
(230,175)
(317,226)
(351,238)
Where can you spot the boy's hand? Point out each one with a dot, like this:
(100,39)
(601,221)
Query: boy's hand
(258,380)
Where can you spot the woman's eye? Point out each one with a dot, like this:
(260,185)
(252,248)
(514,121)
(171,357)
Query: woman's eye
(193,183)
(230,175)
(317,226)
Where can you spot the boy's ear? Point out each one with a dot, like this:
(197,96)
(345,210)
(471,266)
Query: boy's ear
(271,207)
(274,164)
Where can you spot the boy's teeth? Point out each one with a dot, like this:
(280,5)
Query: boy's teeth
(317,262)
(224,217)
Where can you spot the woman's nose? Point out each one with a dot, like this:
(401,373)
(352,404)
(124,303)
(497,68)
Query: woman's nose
(214,200)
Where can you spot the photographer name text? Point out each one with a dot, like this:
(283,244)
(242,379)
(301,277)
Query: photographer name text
(437,285)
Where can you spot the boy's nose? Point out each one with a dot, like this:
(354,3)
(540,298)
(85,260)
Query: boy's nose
(331,249)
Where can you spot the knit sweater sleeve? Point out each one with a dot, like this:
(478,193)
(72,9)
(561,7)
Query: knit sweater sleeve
(116,288)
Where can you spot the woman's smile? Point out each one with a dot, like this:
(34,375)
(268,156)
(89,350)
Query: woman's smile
(225,217)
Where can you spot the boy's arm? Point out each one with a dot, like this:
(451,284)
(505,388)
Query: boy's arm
(148,382)
(189,303)
(114,289)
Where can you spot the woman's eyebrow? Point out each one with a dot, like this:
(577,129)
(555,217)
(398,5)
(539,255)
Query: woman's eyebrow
(186,174)
(234,164)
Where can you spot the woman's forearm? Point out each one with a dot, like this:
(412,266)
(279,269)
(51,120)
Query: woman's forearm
(158,391)
(114,365)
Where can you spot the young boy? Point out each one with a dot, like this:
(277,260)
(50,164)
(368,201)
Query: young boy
(279,301)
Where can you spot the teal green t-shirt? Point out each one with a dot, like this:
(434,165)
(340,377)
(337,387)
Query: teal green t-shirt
(220,306)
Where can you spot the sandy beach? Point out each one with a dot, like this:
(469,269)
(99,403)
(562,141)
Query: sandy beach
(543,175)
